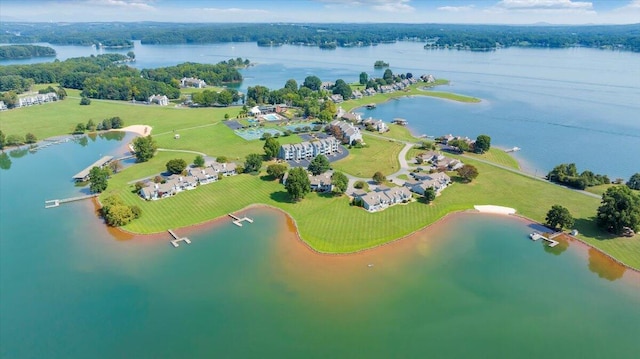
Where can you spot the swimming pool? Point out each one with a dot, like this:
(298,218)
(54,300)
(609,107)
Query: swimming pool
(256,133)
(271,117)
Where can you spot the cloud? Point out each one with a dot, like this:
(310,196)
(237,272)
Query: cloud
(545,5)
(456,8)
(633,5)
(234,10)
(379,5)
(131,4)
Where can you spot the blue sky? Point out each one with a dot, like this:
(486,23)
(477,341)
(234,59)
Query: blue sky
(401,11)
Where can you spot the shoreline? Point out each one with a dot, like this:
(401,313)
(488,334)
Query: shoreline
(218,220)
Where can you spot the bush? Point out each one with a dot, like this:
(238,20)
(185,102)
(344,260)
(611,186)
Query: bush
(84,101)
(176,165)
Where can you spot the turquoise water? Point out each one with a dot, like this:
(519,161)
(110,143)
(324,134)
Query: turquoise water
(472,286)
(270,117)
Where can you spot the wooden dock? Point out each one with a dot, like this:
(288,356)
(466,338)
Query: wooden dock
(56,202)
(238,221)
(535,236)
(176,240)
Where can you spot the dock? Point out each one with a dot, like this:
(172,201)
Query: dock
(535,236)
(176,240)
(56,202)
(238,221)
(371,106)
(84,174)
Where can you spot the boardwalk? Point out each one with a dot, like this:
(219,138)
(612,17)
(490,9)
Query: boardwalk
(56,202)
(84,174)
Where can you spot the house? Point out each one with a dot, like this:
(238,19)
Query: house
(356,94)
(378,125)
(2,106)
(382,198)
(160,100)
(204,175)
(321,182)
(255,111)
(437,181)
(349,133)
(370,91)
(192,82)
(430,157)
(36,100)
(448,164)
(307,150)
(337,98)
(225,169)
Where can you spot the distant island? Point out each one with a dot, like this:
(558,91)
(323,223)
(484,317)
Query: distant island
(13,52)
(327,36)
(380,64)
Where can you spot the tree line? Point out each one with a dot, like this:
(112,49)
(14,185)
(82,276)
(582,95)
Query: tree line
(106,77)
(328,36)
(11,52)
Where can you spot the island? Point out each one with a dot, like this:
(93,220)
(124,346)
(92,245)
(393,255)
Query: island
(14,52)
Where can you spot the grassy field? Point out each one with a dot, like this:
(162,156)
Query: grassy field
(352,228)
(380,155)
(497,156)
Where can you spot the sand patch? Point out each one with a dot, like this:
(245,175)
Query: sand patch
(494,209)
(142,130)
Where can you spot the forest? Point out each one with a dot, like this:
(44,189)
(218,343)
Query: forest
(328,36)
(11,52)
(107,77)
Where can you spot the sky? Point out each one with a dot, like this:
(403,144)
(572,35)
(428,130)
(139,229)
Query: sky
(324,11)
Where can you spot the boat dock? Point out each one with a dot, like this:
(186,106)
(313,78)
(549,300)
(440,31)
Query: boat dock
(535,236)
(238,221)
(176,240)
(56,202)
(84,174)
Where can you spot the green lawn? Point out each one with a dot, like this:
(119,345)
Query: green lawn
(379,155)
(497,156)
(352,228)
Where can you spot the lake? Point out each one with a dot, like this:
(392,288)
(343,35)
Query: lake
(559,105)
(470,286)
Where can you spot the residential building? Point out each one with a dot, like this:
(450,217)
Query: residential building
(321,182)
(38,99)
(308,150)
(337,98)
(382,198)
(192,82)
(378,125)
(225,169)
(350,133)
(2,106)
(437,181)
(158,99)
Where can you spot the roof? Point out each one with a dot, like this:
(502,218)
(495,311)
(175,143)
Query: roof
(99,163)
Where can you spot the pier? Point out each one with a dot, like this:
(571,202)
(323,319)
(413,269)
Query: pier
(56,202)
(238,221)
(176,240)
(84,174)
(535,236)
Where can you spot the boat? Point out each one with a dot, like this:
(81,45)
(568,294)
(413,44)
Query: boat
(371,106)
(514,149)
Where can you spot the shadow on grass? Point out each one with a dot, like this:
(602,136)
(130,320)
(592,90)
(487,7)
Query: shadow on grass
(281,197)
(268,178)
(589,228)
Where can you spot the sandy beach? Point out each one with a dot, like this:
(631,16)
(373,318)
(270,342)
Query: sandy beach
(142,130)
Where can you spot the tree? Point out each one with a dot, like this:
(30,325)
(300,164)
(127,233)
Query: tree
(298,183)
(3,139)
(14,140)
(461,144)
(119,215)
(198,161)
(277,170)
(559,217)
(482,145)
(340,182)
(320,164)
(84,101)
(144,148)
(176,165)
(388,76)
(80,127)
(291,85)
(61,92)
(91,126)
(98,179)
(364,78)
(378,177)
(343,89)
(30,138)
(271,147)
(222,159)
(360,185)
(312,82)
(252,163)
(131,55)
(633,183)
(115,166)
(429,194)
(468,173)
(620,207)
